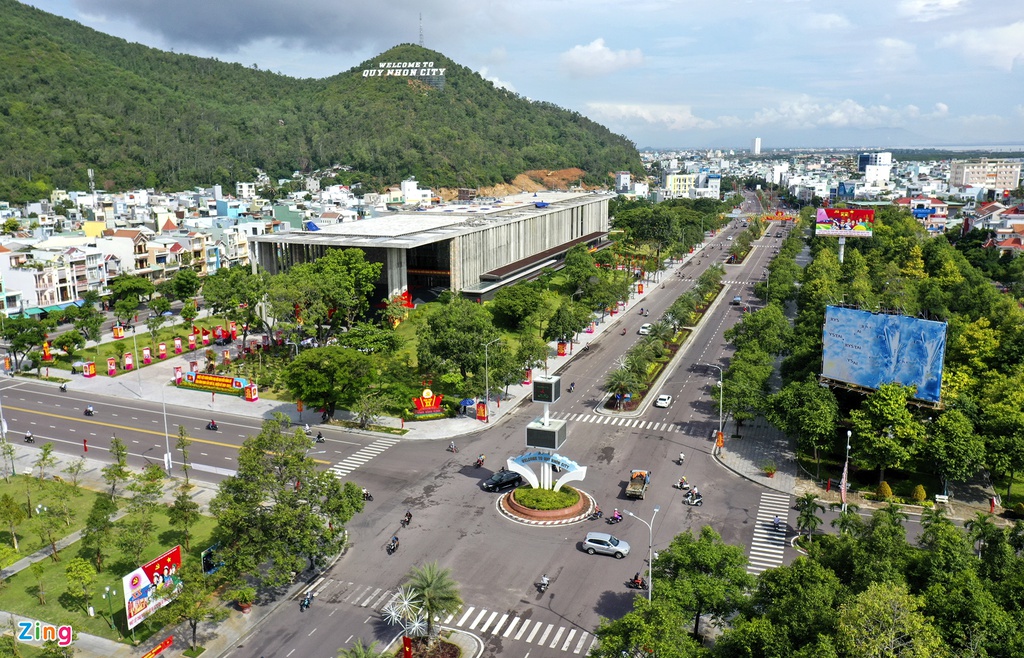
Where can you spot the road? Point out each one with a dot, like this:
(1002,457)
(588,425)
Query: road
(495,561)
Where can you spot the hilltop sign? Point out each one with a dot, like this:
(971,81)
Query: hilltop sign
(404,70)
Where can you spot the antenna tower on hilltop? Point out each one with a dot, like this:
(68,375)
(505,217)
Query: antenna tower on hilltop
(421,29)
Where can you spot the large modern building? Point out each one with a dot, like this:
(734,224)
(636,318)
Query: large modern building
(993,174)
(474,248)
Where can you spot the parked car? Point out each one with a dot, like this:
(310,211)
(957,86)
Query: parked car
(605,544)
(645,329)
(663,401)
(503,480)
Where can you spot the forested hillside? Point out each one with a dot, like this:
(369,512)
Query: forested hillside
(72,99)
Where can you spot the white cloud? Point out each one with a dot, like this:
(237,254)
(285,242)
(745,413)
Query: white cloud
(670,117)
(894,53)
(805,112)
(497,82)
(827,22)
(596,58)
(929,10)
(1001,47)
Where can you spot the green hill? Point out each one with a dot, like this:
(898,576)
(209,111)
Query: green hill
(72,99)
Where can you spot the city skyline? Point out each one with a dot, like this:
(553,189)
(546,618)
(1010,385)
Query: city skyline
(796,73)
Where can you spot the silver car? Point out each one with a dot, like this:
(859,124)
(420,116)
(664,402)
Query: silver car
(602,542)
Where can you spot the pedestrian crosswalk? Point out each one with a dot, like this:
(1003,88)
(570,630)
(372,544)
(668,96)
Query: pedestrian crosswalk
(636,423)
(361,456)
(768,546)
(488,624)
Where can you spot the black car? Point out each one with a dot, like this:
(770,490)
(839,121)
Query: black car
(503,480)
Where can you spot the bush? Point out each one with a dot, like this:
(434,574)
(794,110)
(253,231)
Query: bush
(918,494)
(884,491)
(1018,509)
(545,499)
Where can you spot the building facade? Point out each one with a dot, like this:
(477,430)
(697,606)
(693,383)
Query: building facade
(994,174)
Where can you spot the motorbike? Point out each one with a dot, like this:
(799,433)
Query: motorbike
(697,500)
(612,520)
(212,426)
(452,447)
(320,438)
(306,601)
(586,348)
(392,547)
(406,520)
(623,331)
(368,496)
(646,313)
(636,584)
(29,438)
(63,388)
(542,586)
(682,484)
(90,412)
(682,457)
(479,462)
(596,515)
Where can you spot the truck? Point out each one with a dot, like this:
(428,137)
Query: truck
(638,481)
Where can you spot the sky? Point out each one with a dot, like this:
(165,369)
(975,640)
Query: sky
(663,73)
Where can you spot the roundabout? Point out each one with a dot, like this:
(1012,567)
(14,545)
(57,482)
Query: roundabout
(509,508)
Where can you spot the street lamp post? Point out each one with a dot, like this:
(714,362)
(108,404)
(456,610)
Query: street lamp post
(650,549)
(109,595)
(767,286)
(487,380)
(846,469)
(136,360)
(721,393)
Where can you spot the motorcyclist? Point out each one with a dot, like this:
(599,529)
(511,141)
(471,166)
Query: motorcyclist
(212,425)
(64,387)
(681,458)
(319,437)
(480,460)
(616,516)
(572,385)
(682,482)
(306,429)
(28,437)
(451,447)
(597,511)
(365,493)
(394,543)
(408,517)
(89,410)
(544,582)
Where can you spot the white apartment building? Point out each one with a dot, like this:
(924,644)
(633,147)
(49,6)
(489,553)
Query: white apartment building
(245,190)
(993,174)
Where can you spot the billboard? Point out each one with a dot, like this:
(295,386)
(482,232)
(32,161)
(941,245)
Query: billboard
(844,223)
(870,349)
(151,586)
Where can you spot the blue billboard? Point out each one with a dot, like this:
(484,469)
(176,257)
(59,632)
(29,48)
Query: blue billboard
(870,349)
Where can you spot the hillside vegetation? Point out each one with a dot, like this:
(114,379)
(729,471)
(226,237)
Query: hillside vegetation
(72,99)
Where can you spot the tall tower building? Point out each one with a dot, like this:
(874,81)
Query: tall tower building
(755,147)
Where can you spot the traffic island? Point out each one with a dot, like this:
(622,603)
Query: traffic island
(515,511)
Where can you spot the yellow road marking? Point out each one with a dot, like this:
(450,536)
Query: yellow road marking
(136,429)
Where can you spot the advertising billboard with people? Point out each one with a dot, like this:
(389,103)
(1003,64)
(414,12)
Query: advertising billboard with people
(151,586)
(844,223)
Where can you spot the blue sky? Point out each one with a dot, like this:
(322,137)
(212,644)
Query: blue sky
(664,73)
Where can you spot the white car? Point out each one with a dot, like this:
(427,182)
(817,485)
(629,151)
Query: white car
(645,329)
(663,401)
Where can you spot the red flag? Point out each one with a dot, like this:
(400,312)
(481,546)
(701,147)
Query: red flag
(205,332)
(195,329)
(842,483)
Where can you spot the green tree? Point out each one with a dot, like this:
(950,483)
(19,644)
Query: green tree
(189,312)
(885,620)
(279,509)
(236,293)
(621,382)
(512,305)
(98,534)
(186,284)
(22,335)
(768,329)
(360,650)
(368,408)
(802,599)
(117,472)
(702,575)
(146,488)
(182,446)
(125,309)
(69,342)
(746,383)
(81,577)
(848,522)
(195,602)
(12,514)
(133,534)
(183,513)
(130,287)
(435,592)
(326,377)
(454,338)
(649,629)
(808,412)
(807,519)
(955,450)
(45,460)
(969,618)
(369,338)
(885,433)
(88,319)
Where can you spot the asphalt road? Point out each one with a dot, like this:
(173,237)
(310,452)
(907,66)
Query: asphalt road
(498,562)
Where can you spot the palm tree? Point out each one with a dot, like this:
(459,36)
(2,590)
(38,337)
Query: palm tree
(662,331)
(848,521)
(620,382)
(360,650)
(435,591)
(808,518)
(932,516)
(894,513)
(980,530)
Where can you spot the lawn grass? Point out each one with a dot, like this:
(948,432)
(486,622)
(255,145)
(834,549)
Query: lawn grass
(20,590)
(45,493)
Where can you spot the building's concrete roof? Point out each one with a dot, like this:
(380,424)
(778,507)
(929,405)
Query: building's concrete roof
(414,229)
